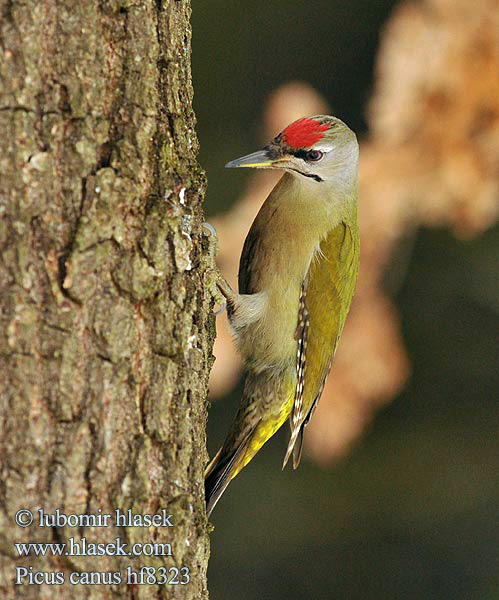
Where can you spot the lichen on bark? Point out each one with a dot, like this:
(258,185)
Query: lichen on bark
(106,329)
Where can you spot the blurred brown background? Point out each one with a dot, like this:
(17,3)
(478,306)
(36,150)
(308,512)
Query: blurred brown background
(400,503)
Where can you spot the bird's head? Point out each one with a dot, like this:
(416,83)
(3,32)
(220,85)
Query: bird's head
(318,148)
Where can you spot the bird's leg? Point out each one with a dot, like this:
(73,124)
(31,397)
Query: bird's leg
(218,286)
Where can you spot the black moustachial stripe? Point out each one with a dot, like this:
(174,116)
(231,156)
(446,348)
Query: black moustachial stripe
(311,175)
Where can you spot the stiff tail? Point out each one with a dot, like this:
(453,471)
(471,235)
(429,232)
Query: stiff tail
(271,395)
(222,469)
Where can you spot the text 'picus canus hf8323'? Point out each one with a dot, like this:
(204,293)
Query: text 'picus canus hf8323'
(297,277)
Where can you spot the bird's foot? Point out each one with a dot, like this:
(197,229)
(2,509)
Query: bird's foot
(216,283)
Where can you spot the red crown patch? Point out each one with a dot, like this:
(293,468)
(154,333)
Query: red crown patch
(304,133)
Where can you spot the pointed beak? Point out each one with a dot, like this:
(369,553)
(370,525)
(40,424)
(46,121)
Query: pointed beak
(260,159)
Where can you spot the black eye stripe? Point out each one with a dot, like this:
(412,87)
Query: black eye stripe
(309,155)
(301,154)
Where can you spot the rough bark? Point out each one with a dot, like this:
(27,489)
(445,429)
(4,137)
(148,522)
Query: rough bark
(106,330)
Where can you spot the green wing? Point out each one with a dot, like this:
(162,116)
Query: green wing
(331,284)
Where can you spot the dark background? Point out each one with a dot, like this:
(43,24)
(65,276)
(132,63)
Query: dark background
(412,512)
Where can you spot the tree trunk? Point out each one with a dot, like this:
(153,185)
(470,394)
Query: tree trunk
(106,329)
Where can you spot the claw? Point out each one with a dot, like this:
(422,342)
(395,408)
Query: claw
(210,230)
(222,306)
(211,233)
(218,285)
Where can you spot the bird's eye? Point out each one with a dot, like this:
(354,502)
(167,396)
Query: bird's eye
(314,155)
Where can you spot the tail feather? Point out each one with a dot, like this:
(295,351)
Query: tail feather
(270,396)
(222,469)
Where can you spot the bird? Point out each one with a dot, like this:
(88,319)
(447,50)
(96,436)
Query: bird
(297,276)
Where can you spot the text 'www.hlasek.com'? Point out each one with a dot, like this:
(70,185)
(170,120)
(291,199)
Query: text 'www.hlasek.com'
(67,553)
